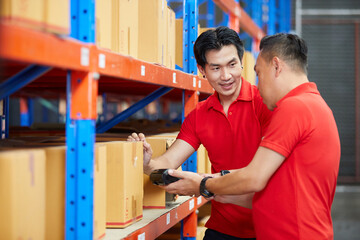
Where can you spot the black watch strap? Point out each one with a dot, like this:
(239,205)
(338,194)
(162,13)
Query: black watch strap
(224,172)
(203,191)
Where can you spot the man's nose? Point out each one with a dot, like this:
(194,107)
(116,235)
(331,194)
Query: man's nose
(225,74)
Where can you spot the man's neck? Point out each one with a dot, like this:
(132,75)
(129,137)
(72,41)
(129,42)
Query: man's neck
(291,82)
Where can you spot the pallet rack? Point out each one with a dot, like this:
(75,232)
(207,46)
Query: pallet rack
(84,65)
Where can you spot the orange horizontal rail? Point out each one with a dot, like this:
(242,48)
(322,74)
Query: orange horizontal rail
(246,23)
(35,47)
(117,65)
(166,221)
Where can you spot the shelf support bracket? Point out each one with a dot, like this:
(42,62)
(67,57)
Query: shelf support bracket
(133,109)
(21,79)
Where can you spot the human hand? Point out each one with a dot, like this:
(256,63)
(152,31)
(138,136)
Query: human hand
(188,185)
(146,146)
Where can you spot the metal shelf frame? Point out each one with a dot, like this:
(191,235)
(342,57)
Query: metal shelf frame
(85,64)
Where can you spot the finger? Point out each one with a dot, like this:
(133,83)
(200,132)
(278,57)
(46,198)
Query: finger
(142,136)
(175,173)
(147,145)
(135,136)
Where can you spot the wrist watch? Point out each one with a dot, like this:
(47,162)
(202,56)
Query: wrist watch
(224,172)
(203,191)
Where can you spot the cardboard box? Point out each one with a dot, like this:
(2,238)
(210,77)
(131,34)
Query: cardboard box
(57,16)
(152,31)
(179,42)
(125,24)
(55,192)
(154,197)
(201,159)
(170,33)
(103,20)
(27,13)
(124,184)
(128,27)
(248,72)
(115,43)
(22,194)
(100,169)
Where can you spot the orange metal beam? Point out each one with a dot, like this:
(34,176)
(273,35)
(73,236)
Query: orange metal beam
(35,47)
(166,221)
(246,23)
(125,67)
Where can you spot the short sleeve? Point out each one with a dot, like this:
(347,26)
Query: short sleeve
(288,125)
(188,130)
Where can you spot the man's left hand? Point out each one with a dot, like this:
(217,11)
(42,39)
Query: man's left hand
(188,185)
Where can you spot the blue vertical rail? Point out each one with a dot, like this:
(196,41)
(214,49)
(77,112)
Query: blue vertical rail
(210,20)
(190,33)
(80,139)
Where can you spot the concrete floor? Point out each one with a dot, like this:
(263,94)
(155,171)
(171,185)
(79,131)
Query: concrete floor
(346,213)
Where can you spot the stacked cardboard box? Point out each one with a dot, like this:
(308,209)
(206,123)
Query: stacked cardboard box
(22,191)
(48,15)
(124,191)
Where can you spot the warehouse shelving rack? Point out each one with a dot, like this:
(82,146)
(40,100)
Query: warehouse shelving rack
(84,66)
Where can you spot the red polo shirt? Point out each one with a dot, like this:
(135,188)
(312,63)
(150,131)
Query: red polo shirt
(231,142)
(297,200)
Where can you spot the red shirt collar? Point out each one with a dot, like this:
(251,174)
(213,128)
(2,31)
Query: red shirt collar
(308,87)
(244,95)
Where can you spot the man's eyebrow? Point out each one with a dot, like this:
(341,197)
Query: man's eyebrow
(216,64)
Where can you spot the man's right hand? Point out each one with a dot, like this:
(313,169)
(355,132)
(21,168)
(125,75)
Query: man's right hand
(146,146)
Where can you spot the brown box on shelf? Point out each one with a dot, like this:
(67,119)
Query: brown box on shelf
(248,64)
(22,191)
(201,159)
(55,192)
(170,33)
(152,31)
(124,199)
(103,21)
(100,170)
(57,16)
(26,13)
(179,42)
(154,197)
(125,24)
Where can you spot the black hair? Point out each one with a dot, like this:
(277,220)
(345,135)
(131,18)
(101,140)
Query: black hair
(288,47)
(216,39)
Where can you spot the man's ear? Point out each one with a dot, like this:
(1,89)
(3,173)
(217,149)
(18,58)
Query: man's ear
(277,65)
(202,71)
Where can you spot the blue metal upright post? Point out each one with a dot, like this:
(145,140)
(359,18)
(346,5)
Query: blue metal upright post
(190,33)
(80,137)
(210,14)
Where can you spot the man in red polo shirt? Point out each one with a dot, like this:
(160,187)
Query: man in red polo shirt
(294,171)
(230,124)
